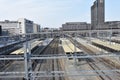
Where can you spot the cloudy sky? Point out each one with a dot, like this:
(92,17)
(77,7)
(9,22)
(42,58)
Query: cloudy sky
(53,13)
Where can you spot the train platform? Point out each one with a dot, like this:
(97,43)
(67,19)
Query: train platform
(89,46)
(69,47)
(109,46)
(113,61)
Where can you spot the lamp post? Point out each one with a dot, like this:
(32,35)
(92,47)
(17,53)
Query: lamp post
(110,32)
(75,49)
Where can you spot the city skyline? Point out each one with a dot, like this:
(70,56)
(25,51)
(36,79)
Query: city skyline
(55,12)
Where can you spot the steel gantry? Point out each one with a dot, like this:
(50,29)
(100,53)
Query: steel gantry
(30,75)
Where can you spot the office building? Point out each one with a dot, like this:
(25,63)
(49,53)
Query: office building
(112,25)
(21,26)
(9,27)
(36,28)
(98,14)
(0,30)
(73,26)
(25,25)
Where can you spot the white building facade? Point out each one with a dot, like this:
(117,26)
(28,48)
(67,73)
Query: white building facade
(9,27)
(36,28)
(25,25)
(21,26)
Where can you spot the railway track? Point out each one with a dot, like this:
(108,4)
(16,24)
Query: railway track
(50,65)
(15,66)
(101,74)
(95,66)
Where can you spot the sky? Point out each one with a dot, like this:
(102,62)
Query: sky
(54,13)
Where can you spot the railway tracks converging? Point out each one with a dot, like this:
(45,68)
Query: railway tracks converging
(52,67)
(98,64)
(43,65)
(52,64)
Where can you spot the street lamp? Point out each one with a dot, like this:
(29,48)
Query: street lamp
(110,32)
